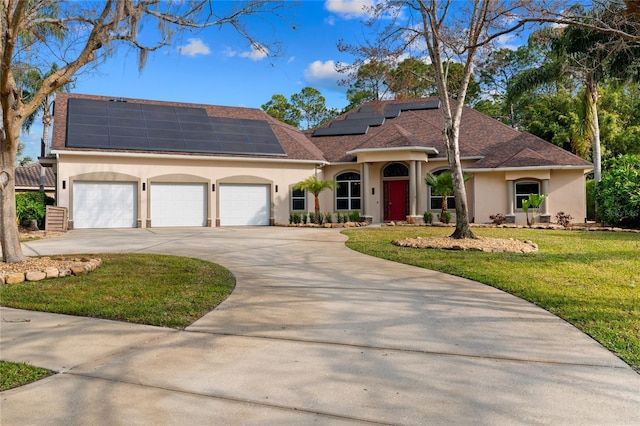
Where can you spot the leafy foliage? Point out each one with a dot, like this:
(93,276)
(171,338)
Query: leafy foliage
(618,193)
(30,206)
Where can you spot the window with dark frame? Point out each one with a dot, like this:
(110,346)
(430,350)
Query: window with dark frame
(298,200)
(348,191)
(435,201)
(523,189)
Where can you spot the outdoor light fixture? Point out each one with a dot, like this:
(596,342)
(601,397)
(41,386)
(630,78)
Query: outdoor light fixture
(373,191)
(276,188)
(64,184)
(144,186)
(213,187)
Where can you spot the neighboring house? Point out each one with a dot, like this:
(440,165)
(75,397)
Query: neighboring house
(141,163)
(28,179)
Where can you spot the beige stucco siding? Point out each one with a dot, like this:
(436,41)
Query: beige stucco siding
(492,195)
(73,168)
(567,193)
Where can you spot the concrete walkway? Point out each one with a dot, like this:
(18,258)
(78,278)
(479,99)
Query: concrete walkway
(313,333)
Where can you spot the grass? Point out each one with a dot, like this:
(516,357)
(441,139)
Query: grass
(590,279)
(166,291)
(14,374)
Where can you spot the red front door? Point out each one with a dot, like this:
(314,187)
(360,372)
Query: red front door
(396,199)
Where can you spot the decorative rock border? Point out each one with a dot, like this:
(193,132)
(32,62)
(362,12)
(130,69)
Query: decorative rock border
(72,266)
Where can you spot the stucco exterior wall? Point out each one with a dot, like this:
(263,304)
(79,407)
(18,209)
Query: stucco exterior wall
(566,191)
(73,168)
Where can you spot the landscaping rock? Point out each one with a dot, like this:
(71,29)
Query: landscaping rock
(14,278)
(64,273)
(35,276)
(51,272)
(1,279)
(79,269)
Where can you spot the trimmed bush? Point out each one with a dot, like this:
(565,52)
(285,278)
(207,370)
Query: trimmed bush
(428,217)
(445,216)
(354,216)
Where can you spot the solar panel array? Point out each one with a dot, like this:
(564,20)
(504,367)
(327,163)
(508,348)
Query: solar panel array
(150,127)
(358,123)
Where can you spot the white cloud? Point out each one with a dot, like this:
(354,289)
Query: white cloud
(349,9)
(323,75)
(508,41)
(194,47)
(330,20)
(257,52)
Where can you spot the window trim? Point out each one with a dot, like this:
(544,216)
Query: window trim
(349,197)
(522,195)
(303,197)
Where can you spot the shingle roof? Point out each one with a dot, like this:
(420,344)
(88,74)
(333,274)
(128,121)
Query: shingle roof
(499,145)
(295,145)
(29,176)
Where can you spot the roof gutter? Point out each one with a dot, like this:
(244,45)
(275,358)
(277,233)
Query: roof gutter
(58,153)
(516,169)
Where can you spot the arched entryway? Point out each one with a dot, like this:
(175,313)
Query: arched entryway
(395,182)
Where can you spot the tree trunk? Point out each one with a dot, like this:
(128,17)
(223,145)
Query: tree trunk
(594,124)
(463,229)
(9,235)
(317,205)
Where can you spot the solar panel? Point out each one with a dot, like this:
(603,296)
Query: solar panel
(119,124)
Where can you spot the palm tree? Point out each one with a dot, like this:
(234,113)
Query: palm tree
(315,186)
(31,82)
(588,56)
(442,184)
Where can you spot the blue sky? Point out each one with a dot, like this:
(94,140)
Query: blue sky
(218,66)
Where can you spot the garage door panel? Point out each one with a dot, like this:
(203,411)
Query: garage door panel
(105,205)
(177,204)
(242,205)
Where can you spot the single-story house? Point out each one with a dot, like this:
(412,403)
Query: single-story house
(33,178)
(143,163)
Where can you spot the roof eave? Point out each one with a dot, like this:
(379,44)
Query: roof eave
(513,169)
(427,149)
(186,157)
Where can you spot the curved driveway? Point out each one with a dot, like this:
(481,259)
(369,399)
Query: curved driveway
(313,333)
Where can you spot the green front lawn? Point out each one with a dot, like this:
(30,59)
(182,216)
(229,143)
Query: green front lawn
(166,291)
(590,279)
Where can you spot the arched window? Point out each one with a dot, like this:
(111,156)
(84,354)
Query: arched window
(395,170)
(348,191)
(435,201)
(523,189)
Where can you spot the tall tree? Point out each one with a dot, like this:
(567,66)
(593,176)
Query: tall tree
(92,32)
(590,57)
(281,109)
(447,29)
(312,107)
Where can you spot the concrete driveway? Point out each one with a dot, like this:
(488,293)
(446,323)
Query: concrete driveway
(313,333)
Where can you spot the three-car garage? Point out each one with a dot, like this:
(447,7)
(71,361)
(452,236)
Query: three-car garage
(169,204)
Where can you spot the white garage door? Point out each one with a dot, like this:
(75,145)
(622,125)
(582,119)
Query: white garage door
(178,204)
(244,205)
(104,205)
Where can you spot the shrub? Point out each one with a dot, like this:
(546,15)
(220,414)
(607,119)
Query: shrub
(354,216)
(32,206)
(291,218)
(296,217)
(563,219)
(312,217)
(498,218)
(618,193)
(445,216)
(428,217)
(328,217)
(304,218)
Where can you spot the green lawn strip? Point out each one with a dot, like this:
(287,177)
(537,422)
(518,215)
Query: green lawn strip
(590,279)
(166,291)
(14,374)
